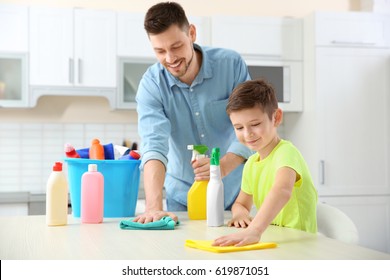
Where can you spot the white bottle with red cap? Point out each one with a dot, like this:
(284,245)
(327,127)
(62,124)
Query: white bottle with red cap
(57,197)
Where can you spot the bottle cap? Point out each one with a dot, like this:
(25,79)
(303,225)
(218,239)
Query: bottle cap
(214,160)
(135,154)
(92,167)
(57,166)
(68,148)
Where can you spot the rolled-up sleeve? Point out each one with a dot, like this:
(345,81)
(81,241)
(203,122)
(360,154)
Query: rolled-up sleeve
(154,127)
(240,150)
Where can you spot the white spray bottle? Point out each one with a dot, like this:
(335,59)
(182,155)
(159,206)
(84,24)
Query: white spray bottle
(215,196)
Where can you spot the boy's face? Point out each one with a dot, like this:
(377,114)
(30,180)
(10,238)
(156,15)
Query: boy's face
(174,49)
(255,130)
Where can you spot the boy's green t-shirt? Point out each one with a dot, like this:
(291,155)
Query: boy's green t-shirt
(300,212)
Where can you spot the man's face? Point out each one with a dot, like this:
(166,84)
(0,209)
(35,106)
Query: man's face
(174,49)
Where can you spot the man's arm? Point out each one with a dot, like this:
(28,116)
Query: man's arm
(228,163)
(154,176)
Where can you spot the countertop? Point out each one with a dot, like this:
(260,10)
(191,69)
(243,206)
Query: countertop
(28,237)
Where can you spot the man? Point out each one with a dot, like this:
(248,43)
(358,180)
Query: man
(181,100)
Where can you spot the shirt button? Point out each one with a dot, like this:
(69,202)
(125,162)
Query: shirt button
(196,113)
(191,89)
(202,135)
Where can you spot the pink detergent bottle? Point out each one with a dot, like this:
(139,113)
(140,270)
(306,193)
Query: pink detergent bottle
(92,196)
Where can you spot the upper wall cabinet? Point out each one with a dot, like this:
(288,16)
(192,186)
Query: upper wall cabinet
(263,37)
(134,42)
(73,49)
(13,29)
(132,38)
(353,29)
(13,56)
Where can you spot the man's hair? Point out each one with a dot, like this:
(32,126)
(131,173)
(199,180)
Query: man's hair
(163,15)
(253,93)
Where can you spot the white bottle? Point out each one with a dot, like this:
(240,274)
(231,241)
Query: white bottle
(215,196)
(57,197)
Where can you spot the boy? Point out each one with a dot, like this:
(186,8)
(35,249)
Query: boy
(276,178)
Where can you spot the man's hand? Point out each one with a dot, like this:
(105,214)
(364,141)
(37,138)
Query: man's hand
(154,215)
(201,169)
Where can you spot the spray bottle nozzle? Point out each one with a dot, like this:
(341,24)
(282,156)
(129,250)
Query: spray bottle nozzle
(197,150)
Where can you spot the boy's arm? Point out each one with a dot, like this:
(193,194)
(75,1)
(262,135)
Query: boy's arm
(276,199)
(278,196)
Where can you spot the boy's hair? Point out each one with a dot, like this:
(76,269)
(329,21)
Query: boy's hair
(253,93)
(163,15)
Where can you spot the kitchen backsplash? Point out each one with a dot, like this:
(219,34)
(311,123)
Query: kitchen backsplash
(28,151)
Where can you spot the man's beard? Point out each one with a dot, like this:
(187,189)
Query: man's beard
(181,74)
(189,62)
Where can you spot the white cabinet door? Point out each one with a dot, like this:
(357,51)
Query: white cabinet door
(13,80)
(353,106)
(51,47)
(277,38)
(13,28)
(351,29)
(371,215)
(72,47)
(203,29)
(132,38)
(95,48)
(13,56)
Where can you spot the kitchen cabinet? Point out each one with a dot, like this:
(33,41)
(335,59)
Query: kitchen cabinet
(353,97)
(353,29)
(13,56)
(268,45)
(15,39)
(132,39)
(269,38)
(130,72)
(371,215)
(344,131)
(13,80)
(347,107)
(72,52)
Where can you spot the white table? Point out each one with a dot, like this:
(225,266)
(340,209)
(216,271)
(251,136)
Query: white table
(28,237)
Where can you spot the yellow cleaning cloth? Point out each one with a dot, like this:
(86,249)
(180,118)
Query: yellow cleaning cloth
(206,245)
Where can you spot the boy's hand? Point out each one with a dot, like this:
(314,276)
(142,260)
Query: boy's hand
(241,238)
(240,221)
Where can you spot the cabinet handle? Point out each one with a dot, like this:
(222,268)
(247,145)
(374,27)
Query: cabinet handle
(80,69)
(321,172)
(336,42)
(71,71)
